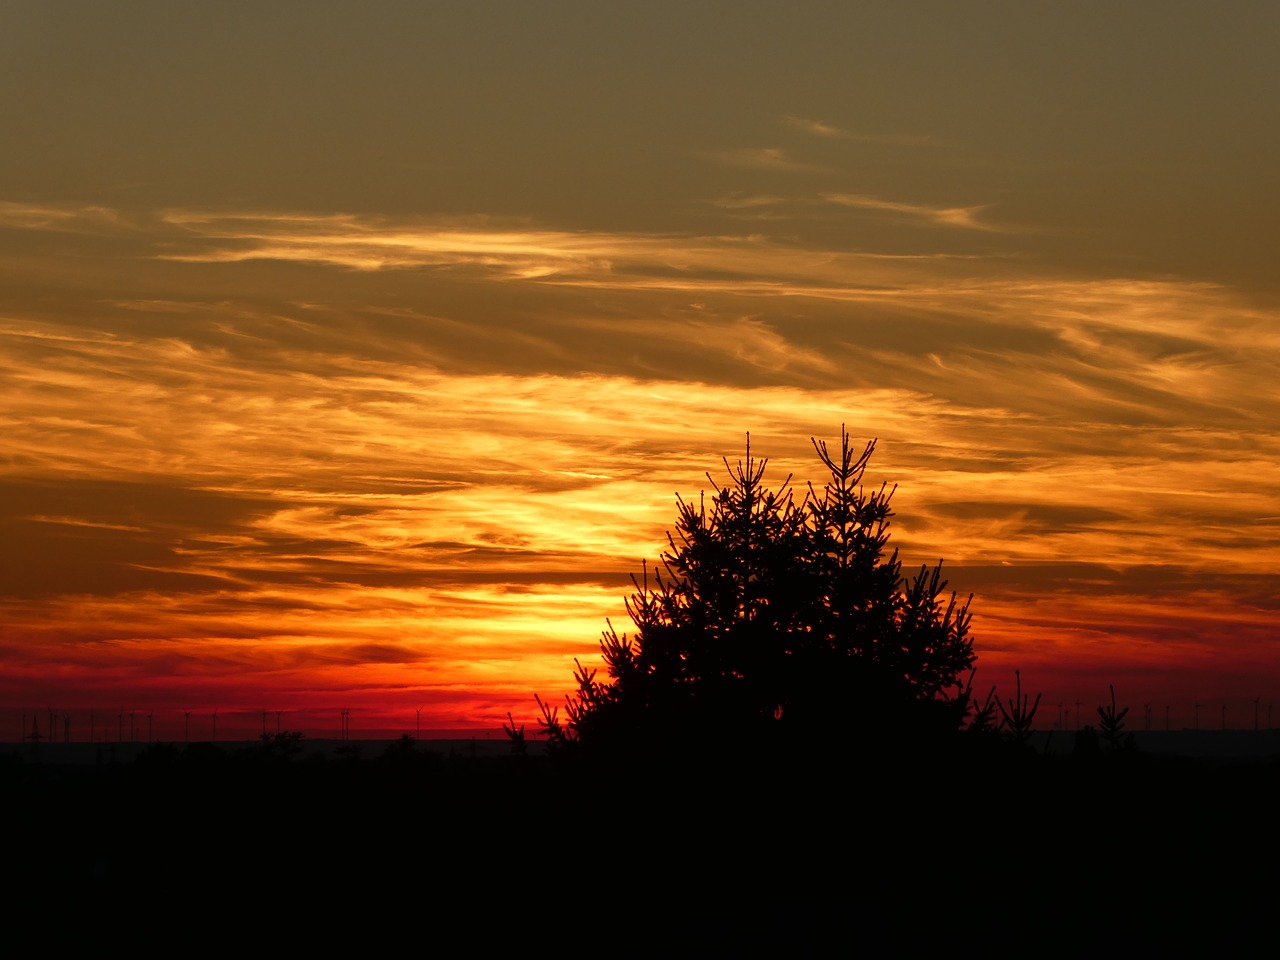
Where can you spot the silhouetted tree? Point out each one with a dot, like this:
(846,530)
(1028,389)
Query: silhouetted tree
(773,618)
(515,735)
(1020,717)
(1112,725)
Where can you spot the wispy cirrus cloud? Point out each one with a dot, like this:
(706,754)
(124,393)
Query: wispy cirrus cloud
(774,159)
(817,128)
(947,321)
(1189,339)
(965,217)
(515,252)
(68,218)
(748,201)
(829,131)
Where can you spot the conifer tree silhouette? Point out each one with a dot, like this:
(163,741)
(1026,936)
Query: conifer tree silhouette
(772,618)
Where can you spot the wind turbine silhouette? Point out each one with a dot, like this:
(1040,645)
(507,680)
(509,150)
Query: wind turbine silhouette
(215,724)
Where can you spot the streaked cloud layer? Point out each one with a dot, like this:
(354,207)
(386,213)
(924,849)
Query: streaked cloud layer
(292,446)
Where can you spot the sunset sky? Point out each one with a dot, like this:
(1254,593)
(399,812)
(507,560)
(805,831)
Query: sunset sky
(354,355)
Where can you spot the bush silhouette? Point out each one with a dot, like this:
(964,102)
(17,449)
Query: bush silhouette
(773,619)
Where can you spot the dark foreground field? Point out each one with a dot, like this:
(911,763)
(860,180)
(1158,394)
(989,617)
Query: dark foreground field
(971,852)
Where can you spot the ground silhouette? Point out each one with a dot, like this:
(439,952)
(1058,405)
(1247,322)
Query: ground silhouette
(802,856)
